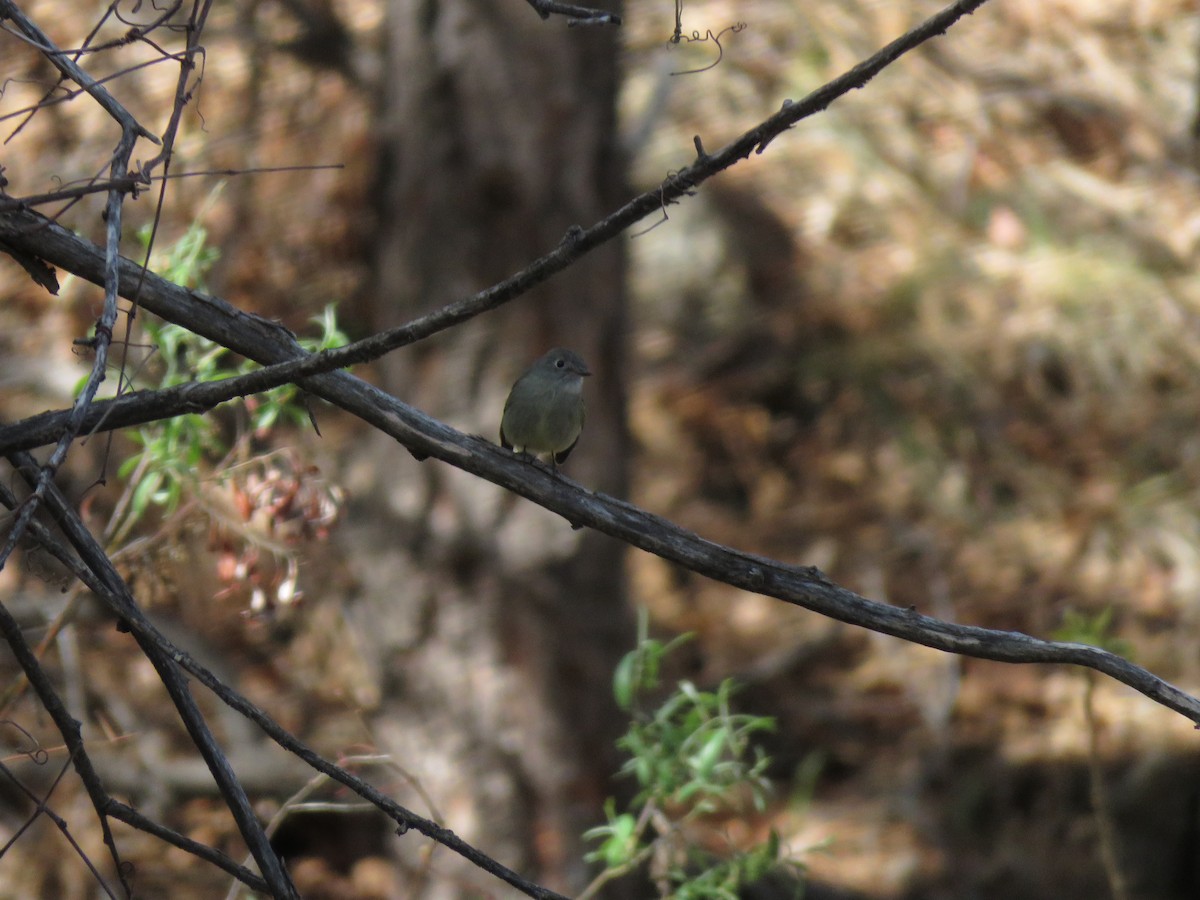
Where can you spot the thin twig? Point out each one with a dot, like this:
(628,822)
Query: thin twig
(70,731)
(105,580)
(34,35)
(133,184)
(269,344)
(134,819)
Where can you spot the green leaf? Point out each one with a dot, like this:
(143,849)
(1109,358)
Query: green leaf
(144,493)
(1095,630)
(702,763)
(624,688)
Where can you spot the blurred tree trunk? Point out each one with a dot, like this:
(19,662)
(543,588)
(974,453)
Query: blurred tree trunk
(492,625)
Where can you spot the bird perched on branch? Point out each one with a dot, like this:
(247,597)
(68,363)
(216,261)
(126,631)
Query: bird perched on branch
(544,411)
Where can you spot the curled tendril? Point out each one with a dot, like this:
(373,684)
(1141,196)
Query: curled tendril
(696,36)
(35,751)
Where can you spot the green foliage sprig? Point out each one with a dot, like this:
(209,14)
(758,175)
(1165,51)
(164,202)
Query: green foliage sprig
(173,449)
(692,757)
(1097,630)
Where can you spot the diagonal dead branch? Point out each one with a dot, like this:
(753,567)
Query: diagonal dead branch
(28,231)
(577,15)
(105,576)
(804,587)
(134,819)
(116,595)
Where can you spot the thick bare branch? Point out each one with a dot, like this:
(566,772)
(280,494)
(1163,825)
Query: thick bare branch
(577,15)
(269,343)
(425,436)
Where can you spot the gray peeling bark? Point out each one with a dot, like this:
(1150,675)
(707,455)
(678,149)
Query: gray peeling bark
(494,627)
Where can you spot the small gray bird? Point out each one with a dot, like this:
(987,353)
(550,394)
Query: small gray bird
(544,410)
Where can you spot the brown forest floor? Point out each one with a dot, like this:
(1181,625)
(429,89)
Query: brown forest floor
(942,341)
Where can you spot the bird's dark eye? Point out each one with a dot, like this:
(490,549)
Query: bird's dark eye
(560,363)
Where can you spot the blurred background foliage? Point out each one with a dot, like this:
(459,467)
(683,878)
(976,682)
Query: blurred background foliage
(942,340)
